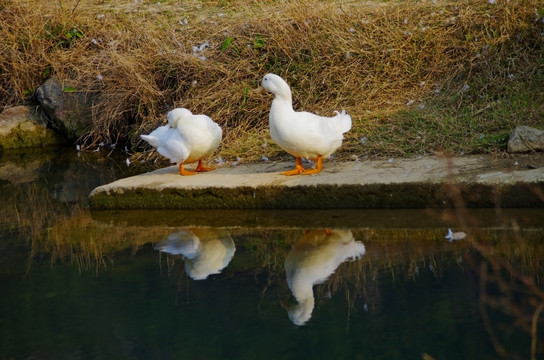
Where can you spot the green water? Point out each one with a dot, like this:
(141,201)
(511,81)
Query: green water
(77,284)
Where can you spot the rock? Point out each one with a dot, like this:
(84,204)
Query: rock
(19,174)
(69,110)
(429,182)
(21,127)
(524,139)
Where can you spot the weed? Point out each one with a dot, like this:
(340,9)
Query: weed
(435,75)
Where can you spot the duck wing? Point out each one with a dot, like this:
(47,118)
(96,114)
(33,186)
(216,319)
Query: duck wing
(183,242)
(154,137)
(309,134)
(325,126)
(201,134)
(174,147)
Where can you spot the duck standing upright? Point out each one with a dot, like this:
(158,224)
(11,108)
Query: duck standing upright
(187,138)
(302,134)
(311,261)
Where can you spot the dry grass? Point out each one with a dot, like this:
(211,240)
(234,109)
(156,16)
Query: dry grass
(371,58)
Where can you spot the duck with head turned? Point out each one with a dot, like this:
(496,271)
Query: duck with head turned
(206,251)
(302,134)
(186,139)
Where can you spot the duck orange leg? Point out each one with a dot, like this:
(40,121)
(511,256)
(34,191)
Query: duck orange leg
(297,170)
(201,168)
(318,167)
(184,172)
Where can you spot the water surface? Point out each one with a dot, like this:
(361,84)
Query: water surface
(368,284)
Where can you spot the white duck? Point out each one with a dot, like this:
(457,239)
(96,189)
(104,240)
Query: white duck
(311,261)
(186,138)
(205,251)
(302,134)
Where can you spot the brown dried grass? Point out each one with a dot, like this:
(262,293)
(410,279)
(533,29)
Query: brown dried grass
(368,58)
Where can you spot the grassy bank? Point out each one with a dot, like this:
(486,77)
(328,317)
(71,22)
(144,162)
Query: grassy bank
(416,76)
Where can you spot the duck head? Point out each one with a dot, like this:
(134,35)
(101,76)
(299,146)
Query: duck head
(300,313)
(176,115)
(277,86)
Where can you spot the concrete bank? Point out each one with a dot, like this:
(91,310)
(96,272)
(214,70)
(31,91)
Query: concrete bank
(477,181)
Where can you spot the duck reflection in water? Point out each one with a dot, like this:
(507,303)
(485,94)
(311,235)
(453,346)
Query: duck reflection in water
(311,261)
(205,251)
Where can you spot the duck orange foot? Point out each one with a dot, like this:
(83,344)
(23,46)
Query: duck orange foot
(199,168)
(299,170)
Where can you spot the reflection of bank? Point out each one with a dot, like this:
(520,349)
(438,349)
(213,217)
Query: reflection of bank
(311,261)
(205,251)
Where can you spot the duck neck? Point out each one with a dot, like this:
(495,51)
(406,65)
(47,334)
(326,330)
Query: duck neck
(284,94)
(283,101)
(302,312)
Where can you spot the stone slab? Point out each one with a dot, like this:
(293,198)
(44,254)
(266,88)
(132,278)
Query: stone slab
(472,181)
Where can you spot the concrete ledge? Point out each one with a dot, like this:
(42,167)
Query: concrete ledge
(479,181)
(386,219)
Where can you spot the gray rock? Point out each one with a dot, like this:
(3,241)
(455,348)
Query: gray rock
(410,184)
(21,127)
(69,110)
(524,139)
(19,173)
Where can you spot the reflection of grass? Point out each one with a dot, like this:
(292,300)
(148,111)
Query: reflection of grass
(28,208)
(509,262)
(511,274)
(77,238)
(400,252)
(68,233)
(512,260)
(511,271)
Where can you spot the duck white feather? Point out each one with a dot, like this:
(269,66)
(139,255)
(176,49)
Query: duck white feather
(187,138)
(205,251)
(311,261)
(300,133)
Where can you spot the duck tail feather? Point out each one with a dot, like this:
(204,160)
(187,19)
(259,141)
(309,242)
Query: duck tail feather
(345,120)
(152,140)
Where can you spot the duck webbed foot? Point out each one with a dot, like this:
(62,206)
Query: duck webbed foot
(184,172)
(201,168)
(317,169)
(297,170)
